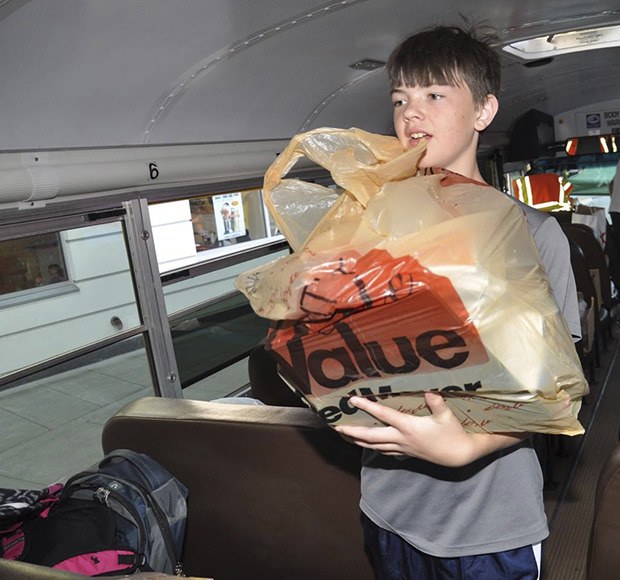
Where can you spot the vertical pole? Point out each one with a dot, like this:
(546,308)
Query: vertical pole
(151,301)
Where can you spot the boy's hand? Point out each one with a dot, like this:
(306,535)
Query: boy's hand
(438,437)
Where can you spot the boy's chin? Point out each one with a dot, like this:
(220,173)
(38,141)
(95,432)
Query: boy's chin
(426,165)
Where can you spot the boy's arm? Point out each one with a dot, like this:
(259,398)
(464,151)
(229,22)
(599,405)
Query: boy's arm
(438,437)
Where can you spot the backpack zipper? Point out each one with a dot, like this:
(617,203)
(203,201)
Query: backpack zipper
(157,512)
(159,516)
(165,528)
(102,495)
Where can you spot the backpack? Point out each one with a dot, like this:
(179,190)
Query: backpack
(17,508)
(122,515)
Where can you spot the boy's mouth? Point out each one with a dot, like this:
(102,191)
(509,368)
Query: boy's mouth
(417,136)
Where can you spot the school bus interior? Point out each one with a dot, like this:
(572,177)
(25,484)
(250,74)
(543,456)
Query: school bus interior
(133,144)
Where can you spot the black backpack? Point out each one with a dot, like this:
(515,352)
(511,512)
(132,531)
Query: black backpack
(122,515)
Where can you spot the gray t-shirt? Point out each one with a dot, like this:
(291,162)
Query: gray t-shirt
(494,503)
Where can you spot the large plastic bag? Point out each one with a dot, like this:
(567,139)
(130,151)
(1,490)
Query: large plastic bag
(402,284)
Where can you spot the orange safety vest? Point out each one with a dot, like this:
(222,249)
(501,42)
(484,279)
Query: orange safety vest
(544,191)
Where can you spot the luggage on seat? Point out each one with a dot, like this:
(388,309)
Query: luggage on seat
(124,514)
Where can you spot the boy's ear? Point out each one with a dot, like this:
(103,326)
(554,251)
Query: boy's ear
(486,113)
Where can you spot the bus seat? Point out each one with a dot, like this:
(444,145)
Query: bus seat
(563,216)
(595,255)
(585,238)
(273,491)
(587,347)
(265,383)
(612,251)
(603,554)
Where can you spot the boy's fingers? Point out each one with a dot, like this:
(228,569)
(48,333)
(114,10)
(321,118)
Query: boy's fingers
(435,402)
(369,436)
(384,414)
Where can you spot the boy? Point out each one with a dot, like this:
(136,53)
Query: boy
(439,502)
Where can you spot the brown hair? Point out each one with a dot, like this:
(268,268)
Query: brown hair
(447,55)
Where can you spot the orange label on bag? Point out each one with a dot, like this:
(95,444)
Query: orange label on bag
(374,316)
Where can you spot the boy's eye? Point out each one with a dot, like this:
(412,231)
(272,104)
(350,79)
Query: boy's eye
(436,96)
(398,103)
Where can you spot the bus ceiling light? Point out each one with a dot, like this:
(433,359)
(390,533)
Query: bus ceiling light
(565,42)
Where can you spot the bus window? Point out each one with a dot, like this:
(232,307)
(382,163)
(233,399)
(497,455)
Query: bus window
(208,340)
(58,316)
(31,262)
(208,227)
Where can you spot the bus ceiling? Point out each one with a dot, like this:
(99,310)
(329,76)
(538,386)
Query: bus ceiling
(86,73)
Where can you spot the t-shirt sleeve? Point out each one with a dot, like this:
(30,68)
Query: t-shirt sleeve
(555,255)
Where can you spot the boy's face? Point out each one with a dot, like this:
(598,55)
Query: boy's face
(446,118)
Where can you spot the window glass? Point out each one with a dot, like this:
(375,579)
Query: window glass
(215,335)
(232,380)
(31,262)
(52,422)
(193,292)
(590,175)
(201,228)
(225,219)
(95,303)
(593,180)
(213,325)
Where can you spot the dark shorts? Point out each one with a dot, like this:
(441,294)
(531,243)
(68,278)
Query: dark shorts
(395,559)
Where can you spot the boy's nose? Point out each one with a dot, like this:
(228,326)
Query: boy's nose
(412,111)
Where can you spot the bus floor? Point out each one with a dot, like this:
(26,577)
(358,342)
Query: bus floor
(577,462)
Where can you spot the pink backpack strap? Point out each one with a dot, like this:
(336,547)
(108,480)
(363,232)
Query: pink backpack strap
(103,561)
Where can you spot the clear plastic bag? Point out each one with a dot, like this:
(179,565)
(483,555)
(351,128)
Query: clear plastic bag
(403,284)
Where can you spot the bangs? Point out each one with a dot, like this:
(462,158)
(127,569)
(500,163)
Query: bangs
(423,75)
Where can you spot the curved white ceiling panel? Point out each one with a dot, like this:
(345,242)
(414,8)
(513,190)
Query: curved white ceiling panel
(80,73)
